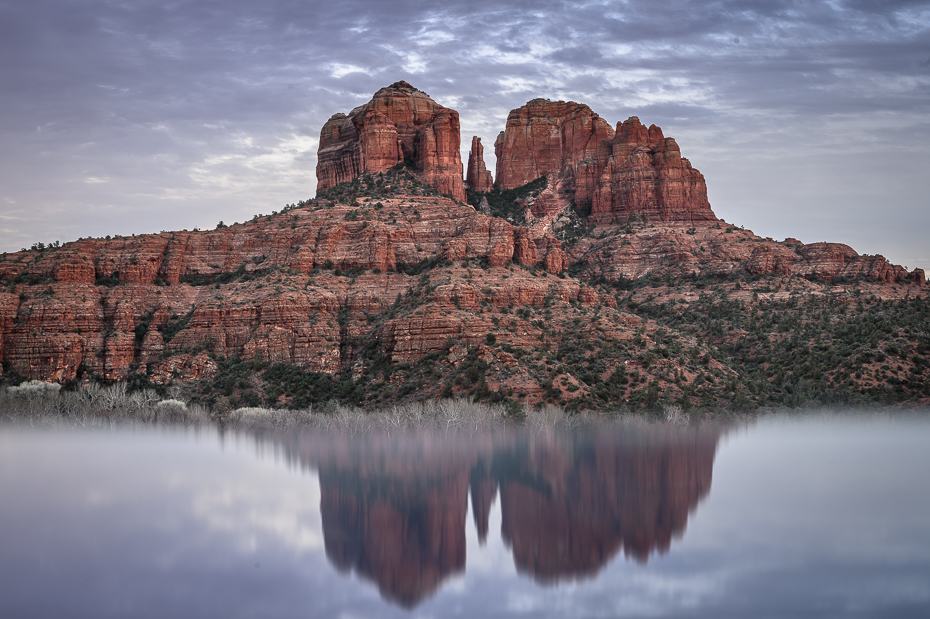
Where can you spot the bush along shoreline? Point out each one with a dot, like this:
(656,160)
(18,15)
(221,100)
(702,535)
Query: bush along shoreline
(37,404)
(42,405)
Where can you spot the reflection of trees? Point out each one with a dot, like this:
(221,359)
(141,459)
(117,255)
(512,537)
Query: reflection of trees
(394,509)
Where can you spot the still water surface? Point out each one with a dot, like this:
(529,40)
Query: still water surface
(815,516)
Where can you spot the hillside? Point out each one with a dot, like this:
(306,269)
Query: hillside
(596,276)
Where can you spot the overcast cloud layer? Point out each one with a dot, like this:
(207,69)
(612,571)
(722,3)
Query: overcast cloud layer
(808,119)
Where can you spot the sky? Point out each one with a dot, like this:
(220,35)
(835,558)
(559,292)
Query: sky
(808,119)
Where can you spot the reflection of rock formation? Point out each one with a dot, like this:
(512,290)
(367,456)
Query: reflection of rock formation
(408,540)
(483,490)
(394,510)
(601,494)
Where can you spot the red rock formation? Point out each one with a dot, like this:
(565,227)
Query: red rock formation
(315,285)
(552,136)
(65,321)
(478,177)
(633,171)
(399,124)
(831,260)
(627,251)
(646,175)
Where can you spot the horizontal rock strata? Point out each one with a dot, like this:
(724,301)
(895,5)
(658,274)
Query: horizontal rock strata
(383,272)
(102,306)
(634,250)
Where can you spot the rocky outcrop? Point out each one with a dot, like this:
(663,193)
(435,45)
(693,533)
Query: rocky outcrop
(646,175)
(834,260)
(387,271)
(478,177)
(400,124)
(611,174)
(544,137)
(630,251)
(143,304)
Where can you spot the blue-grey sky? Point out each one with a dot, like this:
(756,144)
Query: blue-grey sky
(808,119)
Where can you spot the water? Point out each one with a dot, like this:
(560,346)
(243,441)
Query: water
(821,516)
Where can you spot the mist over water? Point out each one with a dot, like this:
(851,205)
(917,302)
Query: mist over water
(814,515)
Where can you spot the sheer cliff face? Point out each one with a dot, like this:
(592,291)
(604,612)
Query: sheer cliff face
(646,174)
(614,174)
(543,137)
(399,124)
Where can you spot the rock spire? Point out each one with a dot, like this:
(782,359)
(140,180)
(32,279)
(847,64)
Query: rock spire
(478,177)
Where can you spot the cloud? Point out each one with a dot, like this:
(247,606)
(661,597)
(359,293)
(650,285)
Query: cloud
(153,96)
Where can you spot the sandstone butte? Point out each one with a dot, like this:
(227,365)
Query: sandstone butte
(612,174)
(397,516)
(399,124)
(390,283)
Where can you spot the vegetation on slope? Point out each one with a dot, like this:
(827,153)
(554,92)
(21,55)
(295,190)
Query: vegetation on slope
(398,181)
(809,349)
(737,343)
(509,204)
